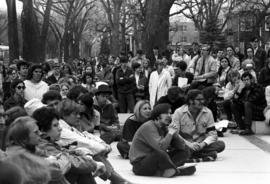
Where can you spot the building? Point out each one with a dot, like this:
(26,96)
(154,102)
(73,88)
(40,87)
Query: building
(183,33)
(243,25)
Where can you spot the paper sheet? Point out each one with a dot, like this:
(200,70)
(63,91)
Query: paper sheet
(182,81)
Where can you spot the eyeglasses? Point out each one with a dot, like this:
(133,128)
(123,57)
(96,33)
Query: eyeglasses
(20,87)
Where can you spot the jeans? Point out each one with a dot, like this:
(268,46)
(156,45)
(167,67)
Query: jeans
(123,148)
(126,102)
(240,109)
(159,160)
(227,109)
(217,146)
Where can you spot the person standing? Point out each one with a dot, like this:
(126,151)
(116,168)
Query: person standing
(159,83)
(126,86)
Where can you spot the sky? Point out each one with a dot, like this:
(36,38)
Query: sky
(3,5)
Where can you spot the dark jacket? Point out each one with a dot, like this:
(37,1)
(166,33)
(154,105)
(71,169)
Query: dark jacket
(12,102)
(260,56)
(188,75)
(125,81)
(52,80)
(264,77)
(175,105)
(255,95)
(108,114)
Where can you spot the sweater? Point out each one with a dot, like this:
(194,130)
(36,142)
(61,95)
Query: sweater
(150,137)
(35,90)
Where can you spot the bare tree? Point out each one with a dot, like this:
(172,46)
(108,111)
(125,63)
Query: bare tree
(12,30)
(112,9)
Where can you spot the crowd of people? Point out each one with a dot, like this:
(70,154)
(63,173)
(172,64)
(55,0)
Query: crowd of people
(58,120)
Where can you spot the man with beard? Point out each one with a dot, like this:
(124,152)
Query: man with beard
(157,149)
(195,123)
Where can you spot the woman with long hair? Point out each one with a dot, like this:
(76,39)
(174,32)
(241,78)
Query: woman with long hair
(90,118)
(142,112)
(35,87)
(223,71)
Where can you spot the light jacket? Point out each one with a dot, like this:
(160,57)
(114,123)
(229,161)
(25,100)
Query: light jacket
(159,85)
(200,130)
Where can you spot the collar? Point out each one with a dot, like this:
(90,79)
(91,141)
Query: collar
(185,109)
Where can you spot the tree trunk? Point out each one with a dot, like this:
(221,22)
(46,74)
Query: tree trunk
(13,40)
(157,24)
(44,31)
(115,46)
(30,32)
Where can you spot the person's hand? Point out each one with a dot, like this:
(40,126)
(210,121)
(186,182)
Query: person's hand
(172,129)
(140,87)
(241,86)
(101,169)
(202,145)
(194,146)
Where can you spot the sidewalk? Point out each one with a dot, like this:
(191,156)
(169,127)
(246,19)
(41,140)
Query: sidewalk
(241,162)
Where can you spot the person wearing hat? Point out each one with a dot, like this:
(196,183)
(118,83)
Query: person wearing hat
(109,123)
(17,98)
(157,149)
(126,86)
(159,83)
(195,123)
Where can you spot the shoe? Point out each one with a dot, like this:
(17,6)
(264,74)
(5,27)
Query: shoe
(186,170)
(246,132)
(236,131)
(203,157)
(232,124)
(169,173)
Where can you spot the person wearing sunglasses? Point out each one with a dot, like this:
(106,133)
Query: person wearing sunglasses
(17,98)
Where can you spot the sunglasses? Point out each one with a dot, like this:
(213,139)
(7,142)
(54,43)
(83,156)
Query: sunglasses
(20,87)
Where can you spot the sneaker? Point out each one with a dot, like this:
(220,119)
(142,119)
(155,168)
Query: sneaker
(186,170)
(246,132)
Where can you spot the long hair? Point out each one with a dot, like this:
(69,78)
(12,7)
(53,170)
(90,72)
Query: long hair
(87,100)
(137,109)
(220,67)
(31,71)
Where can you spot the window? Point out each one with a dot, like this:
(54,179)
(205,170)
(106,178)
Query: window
(183,39)
(184,27)
(181,28)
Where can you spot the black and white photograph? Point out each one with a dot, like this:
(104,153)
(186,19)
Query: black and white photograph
(134,91)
